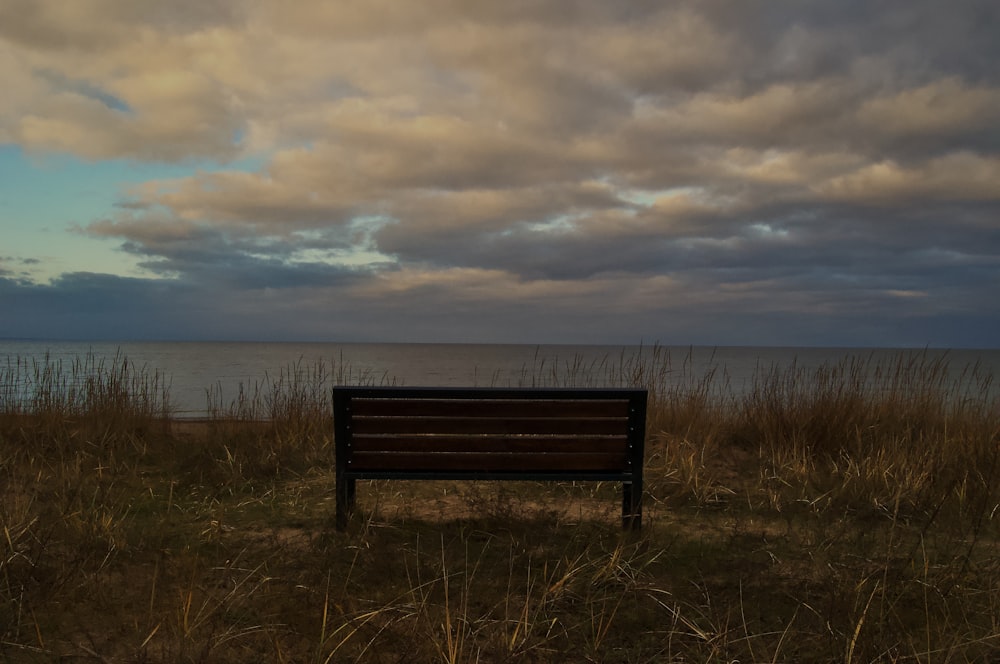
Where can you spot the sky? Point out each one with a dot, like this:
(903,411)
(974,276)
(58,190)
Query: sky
(710,172)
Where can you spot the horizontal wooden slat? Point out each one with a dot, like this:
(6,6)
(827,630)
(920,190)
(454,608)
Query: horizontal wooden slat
(485,462)
(495,393)
(490,407)
(488,425)
(465,443)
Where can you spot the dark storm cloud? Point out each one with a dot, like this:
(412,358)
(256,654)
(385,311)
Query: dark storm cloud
(96,306)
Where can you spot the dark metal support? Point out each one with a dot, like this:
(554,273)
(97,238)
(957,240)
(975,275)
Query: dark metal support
(632,505)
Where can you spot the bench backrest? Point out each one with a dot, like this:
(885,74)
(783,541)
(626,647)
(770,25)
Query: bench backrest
(490,432)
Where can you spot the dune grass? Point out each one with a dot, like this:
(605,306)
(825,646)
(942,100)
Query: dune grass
(846,514)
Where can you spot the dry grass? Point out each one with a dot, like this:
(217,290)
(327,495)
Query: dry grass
(849,514)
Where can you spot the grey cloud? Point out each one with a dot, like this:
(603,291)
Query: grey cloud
(385,17)
(198,253)
(916,40)
(17,269)
(917,249)
(19,260)
(91,305)
(425,215)
(87,305)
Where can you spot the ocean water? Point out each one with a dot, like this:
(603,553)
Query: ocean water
(197,373)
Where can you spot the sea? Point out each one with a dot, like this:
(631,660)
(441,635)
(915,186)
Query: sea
(201,375)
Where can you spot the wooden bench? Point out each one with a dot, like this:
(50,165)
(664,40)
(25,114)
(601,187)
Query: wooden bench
(490,433)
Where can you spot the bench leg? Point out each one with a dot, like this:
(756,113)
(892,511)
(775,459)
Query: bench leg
(632,505)
(345,500)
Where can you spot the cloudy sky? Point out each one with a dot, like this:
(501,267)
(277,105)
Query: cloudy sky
(721,172)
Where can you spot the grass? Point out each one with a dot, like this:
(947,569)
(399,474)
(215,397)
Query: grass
(846,514)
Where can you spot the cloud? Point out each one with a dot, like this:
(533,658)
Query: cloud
(524,165)
(195,253)
(944,107)
(105,79)
(477,305)
(956,177)
(17,269)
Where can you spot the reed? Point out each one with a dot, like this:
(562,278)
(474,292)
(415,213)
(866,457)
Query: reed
(282,423)
(850,513)
(52,402)
(902,437)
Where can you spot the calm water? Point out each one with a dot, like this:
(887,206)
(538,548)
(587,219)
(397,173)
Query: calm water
(194,369)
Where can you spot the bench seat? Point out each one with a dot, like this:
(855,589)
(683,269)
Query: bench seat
(559,434)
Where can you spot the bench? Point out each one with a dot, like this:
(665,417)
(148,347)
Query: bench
(561,434)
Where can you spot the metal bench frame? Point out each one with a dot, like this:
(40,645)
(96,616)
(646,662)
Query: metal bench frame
(552,434)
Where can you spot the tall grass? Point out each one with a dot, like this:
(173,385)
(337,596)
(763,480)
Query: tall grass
(55,400)
(282,422)
(903,436)
(849,513)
